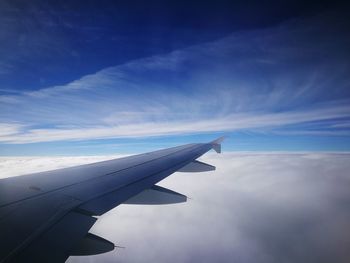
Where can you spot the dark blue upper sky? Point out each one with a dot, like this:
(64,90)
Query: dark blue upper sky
(97,73)
(39,38)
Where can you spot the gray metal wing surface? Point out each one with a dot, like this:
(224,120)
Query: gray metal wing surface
(46,217)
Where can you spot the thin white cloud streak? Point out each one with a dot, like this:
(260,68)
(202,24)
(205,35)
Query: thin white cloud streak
(8,129)
(313,132)
(345,124)
(232,122)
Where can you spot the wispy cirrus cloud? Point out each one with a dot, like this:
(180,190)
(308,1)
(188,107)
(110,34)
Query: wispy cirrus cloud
(233,122)
(9,129)
(249,80)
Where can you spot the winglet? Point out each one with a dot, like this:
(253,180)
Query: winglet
(216,144)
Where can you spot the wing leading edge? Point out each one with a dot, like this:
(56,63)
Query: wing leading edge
(45,217)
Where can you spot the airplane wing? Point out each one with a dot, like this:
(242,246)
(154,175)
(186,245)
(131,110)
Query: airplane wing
(46,217)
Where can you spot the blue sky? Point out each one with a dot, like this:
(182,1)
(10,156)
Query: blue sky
(100,78)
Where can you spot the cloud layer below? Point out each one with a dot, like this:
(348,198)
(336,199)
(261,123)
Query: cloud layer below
(255,208)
